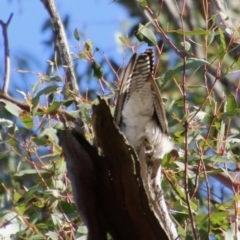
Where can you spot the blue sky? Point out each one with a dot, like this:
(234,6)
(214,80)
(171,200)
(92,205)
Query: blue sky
(96,20)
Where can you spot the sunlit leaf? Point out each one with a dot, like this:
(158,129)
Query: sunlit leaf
(28,171)
(219,217)
(123,40)
(51,133)
(5,122)
(89,45)
(27,120)
(10,107)
(52,235)
(37,237)
(186,45)
(145,33)
(57,220)
(82,229)
(58,184)
(53,192)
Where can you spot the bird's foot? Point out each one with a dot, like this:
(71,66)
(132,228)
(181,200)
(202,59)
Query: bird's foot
(149,149)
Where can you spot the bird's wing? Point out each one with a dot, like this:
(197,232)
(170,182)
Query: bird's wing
(134,76)
(159,109)
(124,88)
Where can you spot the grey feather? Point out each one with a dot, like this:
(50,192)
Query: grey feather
(139,111)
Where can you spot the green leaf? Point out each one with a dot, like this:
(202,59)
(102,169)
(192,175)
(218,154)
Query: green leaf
(28,195)
(42,225)
(51,79)
(28,171)
(88,45)
(52,235)
(186,45)
(97,70)
(51,133)
(82,230)
(232,113)
(222,46)
(219,217)
(58,184)
(77,35)
(145,34)
(231,103)
(27,120)
(54,106)
(216,159)
(123,40)
(16,196)
(5,122)
(142,3)
(68,102)
(57,220)
(236,198)
(53,192)
(10,107)
(40,141)
(211,37)
(68,208)
(48,90)
(66,90)
(190,63)
(37,237)
(197,31)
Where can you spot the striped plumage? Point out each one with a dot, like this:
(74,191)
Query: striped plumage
(139,111)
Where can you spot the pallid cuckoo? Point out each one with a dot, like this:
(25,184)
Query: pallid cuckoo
(139,112)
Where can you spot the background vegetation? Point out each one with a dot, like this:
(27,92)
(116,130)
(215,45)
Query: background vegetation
(198,74)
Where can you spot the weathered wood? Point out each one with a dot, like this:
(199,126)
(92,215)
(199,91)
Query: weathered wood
(108,189)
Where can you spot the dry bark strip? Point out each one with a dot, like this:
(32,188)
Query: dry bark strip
(108,189)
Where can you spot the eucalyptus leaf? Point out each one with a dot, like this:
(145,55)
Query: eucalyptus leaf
(190,63)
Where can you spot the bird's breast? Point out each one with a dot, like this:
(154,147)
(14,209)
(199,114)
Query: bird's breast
(139,105)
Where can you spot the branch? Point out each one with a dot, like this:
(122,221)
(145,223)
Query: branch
(25,107)
(62,44)
(211,72)
(6,77)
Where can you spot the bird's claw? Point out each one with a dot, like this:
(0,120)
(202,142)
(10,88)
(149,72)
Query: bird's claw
(149,149)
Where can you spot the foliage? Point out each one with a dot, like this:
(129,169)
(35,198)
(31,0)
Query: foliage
(35,193)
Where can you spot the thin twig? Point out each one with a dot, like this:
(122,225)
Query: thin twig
(62,45)
(25,107)
(186,112)
(148,14)
(6,77)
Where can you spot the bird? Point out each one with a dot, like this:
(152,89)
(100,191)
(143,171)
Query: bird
(139,111)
